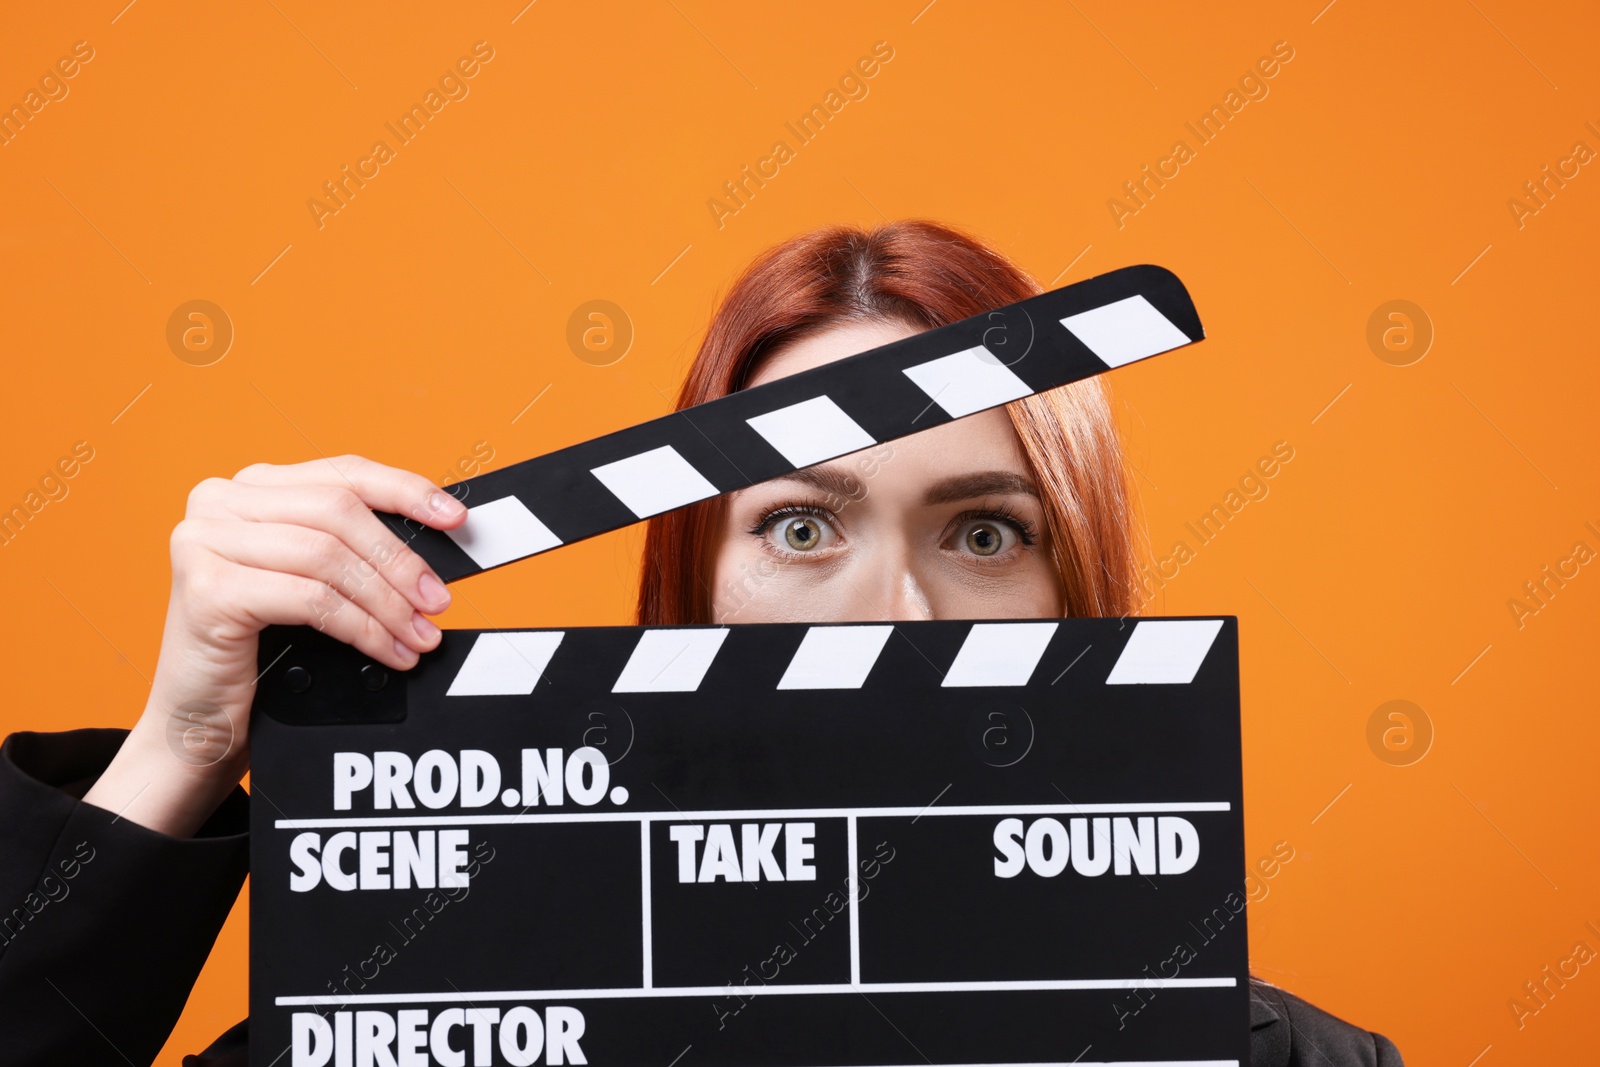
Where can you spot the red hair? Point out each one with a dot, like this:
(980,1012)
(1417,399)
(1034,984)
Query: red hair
(926,275)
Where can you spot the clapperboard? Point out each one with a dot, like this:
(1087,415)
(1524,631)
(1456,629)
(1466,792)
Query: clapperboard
(843,845)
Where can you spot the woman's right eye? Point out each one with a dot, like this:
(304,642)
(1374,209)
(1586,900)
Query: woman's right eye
(799,533)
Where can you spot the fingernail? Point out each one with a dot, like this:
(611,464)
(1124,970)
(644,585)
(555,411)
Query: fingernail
(433,591)
(424,627)
(445,504)
(401,649)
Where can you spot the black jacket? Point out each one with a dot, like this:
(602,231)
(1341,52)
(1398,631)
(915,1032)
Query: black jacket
(97,906)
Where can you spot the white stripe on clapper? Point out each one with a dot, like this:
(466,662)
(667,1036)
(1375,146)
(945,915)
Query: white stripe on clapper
(855,907)
(644,868)
(751,814)
(456,996)
(1164,652)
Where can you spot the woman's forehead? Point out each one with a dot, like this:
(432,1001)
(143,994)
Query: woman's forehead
(826,346)
(976,456)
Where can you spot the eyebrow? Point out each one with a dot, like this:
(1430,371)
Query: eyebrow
(946,491)
(980,483)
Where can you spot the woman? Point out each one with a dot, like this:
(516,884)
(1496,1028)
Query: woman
(1021,511)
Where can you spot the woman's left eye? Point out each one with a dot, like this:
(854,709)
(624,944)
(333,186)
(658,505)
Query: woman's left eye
(986,537)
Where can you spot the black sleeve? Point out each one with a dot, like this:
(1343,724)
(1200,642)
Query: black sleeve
(1289,1032)
(106,924)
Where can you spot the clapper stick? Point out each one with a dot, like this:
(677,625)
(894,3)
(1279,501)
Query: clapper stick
(757,434)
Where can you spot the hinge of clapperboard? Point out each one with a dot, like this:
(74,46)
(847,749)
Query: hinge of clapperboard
(901,388)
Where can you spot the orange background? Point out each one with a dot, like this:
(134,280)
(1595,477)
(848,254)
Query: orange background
(430,311)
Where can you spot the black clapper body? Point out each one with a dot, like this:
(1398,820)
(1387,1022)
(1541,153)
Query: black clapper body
(835,845)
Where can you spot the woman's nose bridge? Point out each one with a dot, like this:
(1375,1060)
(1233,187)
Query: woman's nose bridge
(894,586)
(911,599)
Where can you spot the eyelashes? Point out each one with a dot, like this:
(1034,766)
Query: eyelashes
(785,510)
(1024,527)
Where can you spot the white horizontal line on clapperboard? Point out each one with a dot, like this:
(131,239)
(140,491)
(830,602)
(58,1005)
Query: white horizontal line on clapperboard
(744,814)
(455,996)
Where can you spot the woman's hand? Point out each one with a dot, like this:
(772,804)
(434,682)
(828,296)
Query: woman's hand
(290,544)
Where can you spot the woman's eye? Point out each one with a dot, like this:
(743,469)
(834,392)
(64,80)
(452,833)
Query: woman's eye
(802,533)
(986,538)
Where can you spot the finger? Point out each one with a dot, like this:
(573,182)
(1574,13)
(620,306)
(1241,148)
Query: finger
(293,600)
(336,511)
(380,487)
(319,555)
